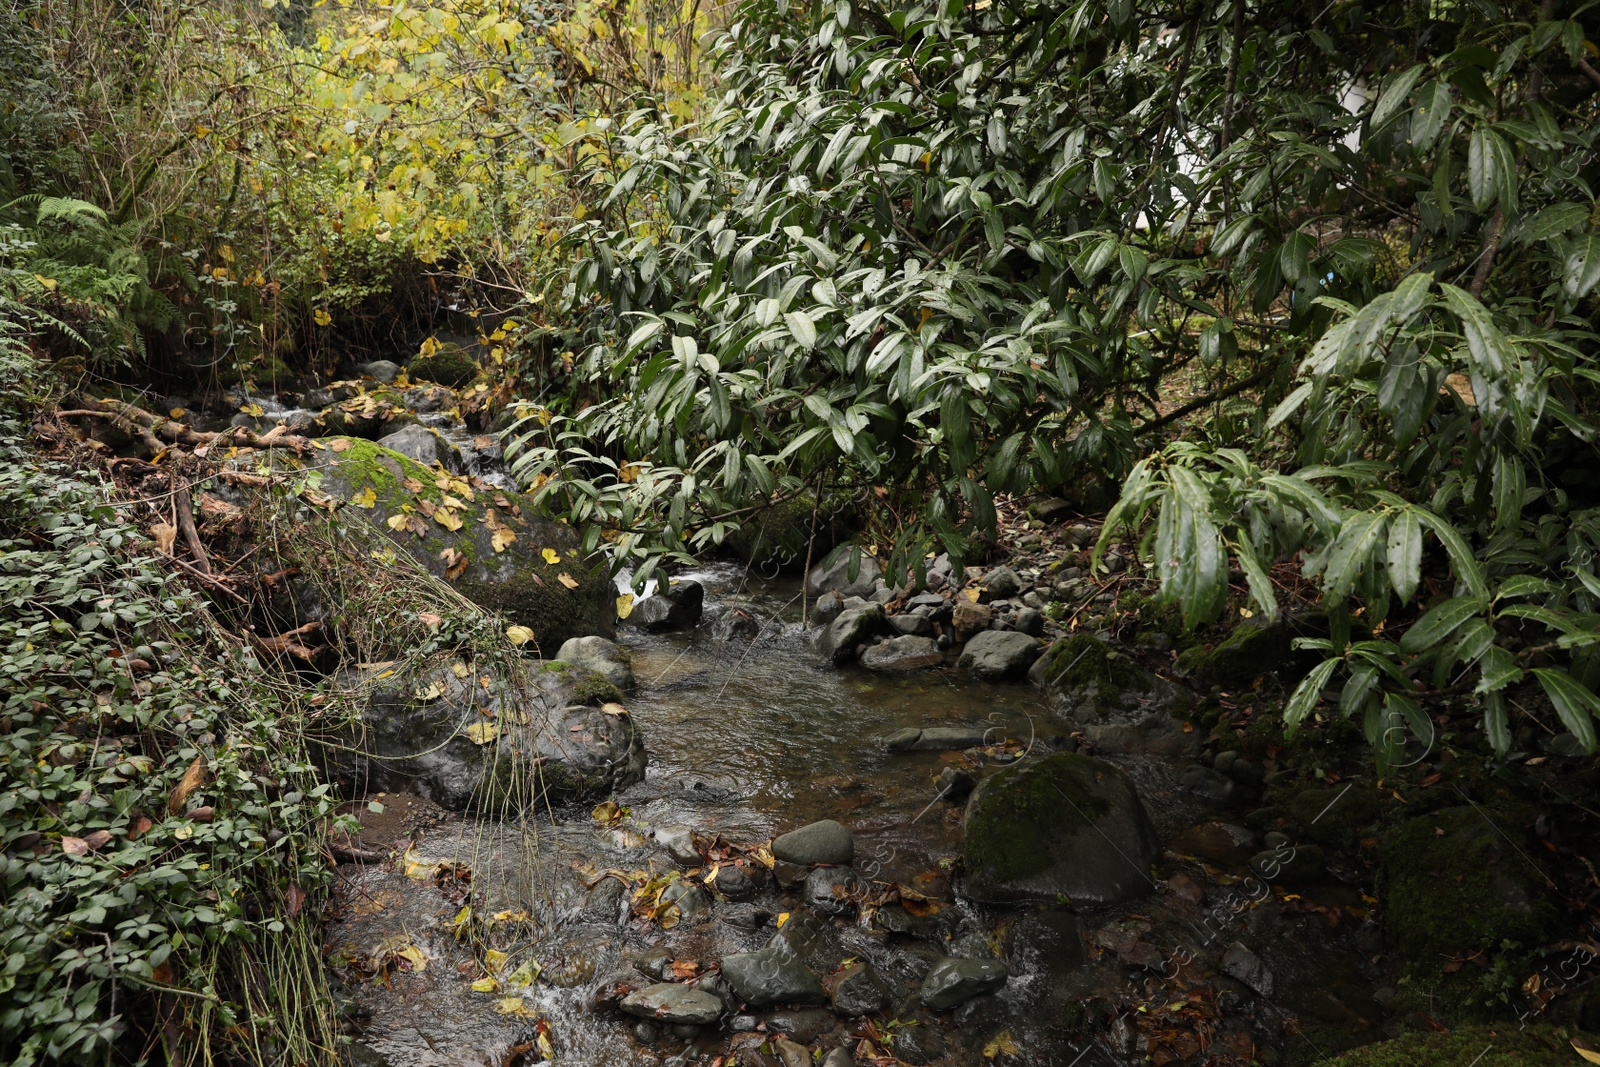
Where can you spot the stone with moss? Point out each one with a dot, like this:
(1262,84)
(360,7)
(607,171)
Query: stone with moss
(1095,682)
(449,365)
(1063,828)
(488,543)
(1508,1045)
(371,413)
(530,734)
(1460,881)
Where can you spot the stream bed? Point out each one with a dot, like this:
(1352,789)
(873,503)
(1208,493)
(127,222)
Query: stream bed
(501,943)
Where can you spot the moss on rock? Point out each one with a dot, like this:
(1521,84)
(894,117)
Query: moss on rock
(1252,650)
(448,365)
(1480,1046)
(1083,660)
(1453,883)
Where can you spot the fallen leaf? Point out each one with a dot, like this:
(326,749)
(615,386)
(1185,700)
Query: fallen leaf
(459,669)
(972,594)
(1592,1057)
(519,635)
(341,444)
(624,605)
(430,620)
(685,968)
(485,985)
(608,813)
(567,580)
(448,519)
(192,779)
(495,960)
(397,522)
(454,563)
(433,691)
(166,536)
(481,733)
(502,538)
(74,846)
(513,1006)
(1002,1045)
(413,956)
(524,976)
(412,485)
(611,707)
(550,555)
(367,498)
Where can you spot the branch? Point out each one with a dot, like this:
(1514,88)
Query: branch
(1210,398)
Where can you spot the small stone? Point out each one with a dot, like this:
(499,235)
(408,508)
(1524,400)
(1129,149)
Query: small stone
(1289,863)
(771,976)
(384,370)
(1141,954)
(803,1025)
(788,875)
(936,739)
(791,1054)
(1185,888)
(857,991)
(955,785)
(951,981)
(914,625)
(1208,784)
(855,626)
(839,1057)
(738,883)
(968,618)
(677,607)
(1000,583)
(1246,966)
(832,890)
(819,842)
(672,1003)
(692,901)
(1275,839)
(827,608)
(1029,620)
(679,844)
(905,653)
(833,573)
(1050,509)
(646,1033)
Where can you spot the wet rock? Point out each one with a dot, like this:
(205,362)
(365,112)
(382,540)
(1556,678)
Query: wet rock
(1253,649)
(999,583)
(999,656)
(1051,509)
(1243,964)
(834,573)
(788,875)
(672,1003)
(1150,733)
(908,653)
(736,623)
(514,578)
(955,785)
(1224,844)
(791,1054)
(839,1057)
(606,658)
(384,370)
(655,963)
(838,640)
(679,844)
(604,902)
(828,607)
(936,739)
(968,618)
(951,981)
(832,890)
(1063,826)
(1098,682)
(819,842)
(1289,864)
(1186,889)
(1209,784)
(1029,621)
(425,446)
(746,917)
(738,883)
(431,735)
(913,625)
(803,1024)
(646,1033)
(771,976)
(922,1042)
(678,607)
(449,365)
(692,901)
(857,990)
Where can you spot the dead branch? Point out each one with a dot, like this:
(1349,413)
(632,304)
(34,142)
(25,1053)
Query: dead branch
(191,536)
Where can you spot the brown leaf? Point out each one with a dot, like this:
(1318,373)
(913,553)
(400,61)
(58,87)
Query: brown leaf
(166,536)
(455,564)
(141,826)
(567,580)
(163,974)
(430,620)
(341,444)
(204,814)
(74,846)
(192,779)
(297,897)
(413,485)
(685,968)
(97,839)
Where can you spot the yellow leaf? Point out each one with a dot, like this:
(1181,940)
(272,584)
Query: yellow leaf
(971,594)
(413,955)
(485,985)
(668,917)
(1592,1057)
(519,635)
(494,960)
(397,522)
(448,519)
(433,692)
(322,318)
(226,251)
(502,538)
(166,536)
(253,409)
(513,1006)
(459,669)
(607,813)
(202,132)
(367,498)
(415,868)
(624,605)
(551,556)
(783,917)
(463,917)
(1002,1045)
(48,283)
(567,580)
(481,733)
(523,976)
(611,707)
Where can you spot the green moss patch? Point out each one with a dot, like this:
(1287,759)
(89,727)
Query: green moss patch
(1479,1046)
(449,365)
(1083,660)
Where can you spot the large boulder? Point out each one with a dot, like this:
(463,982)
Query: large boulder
(425,446)
(1096,682)
(1000,655)
(834,573)
(855,626)
(951,981)
(678,606)
(446,736)
(486,542)
(772,975)
(672,1003)
(819,842)
(906,653)
(1065,826)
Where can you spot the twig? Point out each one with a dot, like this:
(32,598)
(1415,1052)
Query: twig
(1491,245)
(191,537)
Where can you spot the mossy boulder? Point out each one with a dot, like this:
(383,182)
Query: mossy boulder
(487,542)
(449,364)
(1095,681)
(1252,650)
(370,413)
(1065,827)
(537,734)
(1462,880)
(1479,1046)
(1336,816)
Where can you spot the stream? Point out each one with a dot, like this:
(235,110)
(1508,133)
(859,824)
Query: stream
(750,737)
